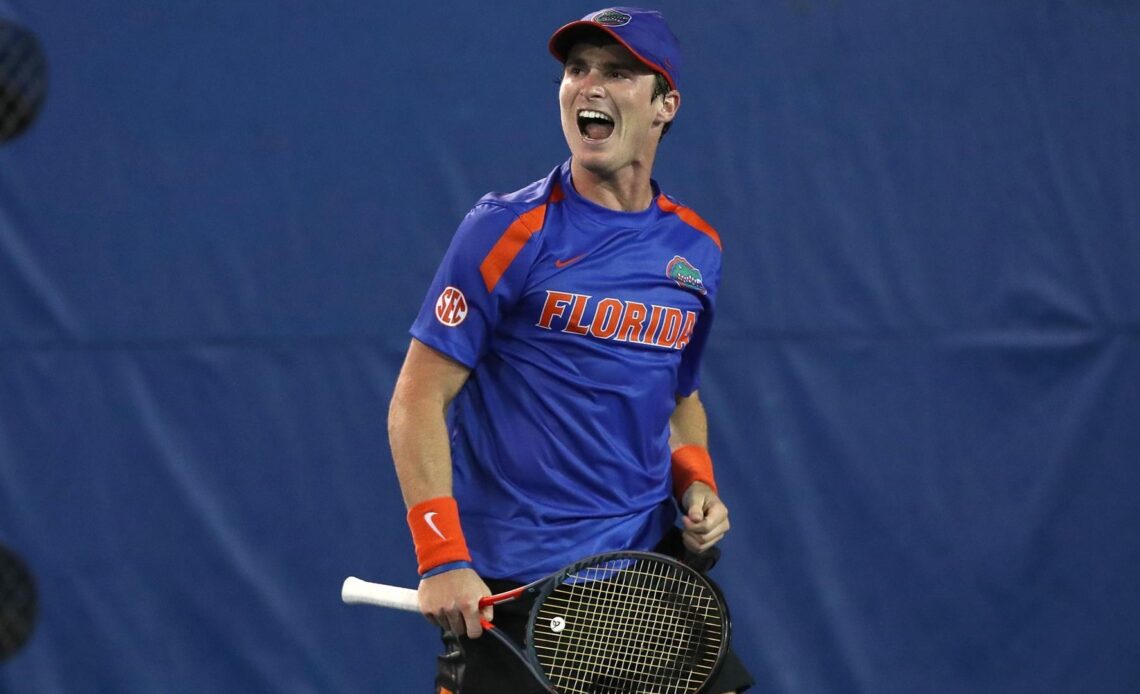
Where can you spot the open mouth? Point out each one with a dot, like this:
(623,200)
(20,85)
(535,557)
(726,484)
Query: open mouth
(595,125)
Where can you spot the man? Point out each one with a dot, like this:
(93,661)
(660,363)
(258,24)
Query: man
(547,408)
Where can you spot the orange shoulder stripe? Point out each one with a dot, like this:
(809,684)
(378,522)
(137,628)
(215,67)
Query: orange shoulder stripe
(689,217)
(507,248)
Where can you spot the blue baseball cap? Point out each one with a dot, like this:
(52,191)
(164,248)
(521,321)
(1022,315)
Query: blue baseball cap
(643,32)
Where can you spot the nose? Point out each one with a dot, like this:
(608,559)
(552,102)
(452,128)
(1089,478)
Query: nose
(592,85)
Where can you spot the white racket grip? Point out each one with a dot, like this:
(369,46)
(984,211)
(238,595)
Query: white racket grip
(356,591)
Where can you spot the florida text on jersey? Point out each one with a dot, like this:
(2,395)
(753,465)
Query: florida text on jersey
(581,325)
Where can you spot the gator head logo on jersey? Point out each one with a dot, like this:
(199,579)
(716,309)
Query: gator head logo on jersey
(611,18)
(685,275)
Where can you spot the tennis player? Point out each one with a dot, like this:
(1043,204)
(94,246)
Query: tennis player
(548,405)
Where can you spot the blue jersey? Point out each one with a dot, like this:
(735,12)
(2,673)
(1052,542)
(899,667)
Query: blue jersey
(581,325)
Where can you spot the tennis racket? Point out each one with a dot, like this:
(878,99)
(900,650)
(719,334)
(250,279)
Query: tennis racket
(614,622)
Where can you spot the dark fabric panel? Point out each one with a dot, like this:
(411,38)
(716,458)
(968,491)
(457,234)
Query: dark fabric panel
(192,511)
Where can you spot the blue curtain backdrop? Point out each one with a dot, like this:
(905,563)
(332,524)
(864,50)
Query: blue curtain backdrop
(924,380)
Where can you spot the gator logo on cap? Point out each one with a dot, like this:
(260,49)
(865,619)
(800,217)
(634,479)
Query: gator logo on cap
(611,18)
(685,275)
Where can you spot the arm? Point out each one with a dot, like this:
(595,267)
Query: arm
(706,517)
(417,428)
(417,433)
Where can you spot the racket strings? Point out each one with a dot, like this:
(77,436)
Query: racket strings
(629,626)
(643,653)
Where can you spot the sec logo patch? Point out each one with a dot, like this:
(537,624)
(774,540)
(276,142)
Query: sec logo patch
(451,307)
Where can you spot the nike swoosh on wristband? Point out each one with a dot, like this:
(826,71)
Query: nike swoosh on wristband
(431,524)
(569,261)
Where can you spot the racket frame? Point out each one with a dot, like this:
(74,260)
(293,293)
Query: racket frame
(355,590)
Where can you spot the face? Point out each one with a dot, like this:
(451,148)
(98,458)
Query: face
(609,116)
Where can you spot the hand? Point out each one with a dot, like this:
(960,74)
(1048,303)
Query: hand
(451,600)
(706,517)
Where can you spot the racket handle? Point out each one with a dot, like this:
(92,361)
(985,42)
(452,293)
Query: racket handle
(356,591)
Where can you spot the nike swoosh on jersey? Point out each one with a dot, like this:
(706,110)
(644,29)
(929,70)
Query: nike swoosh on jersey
(431,524)
(569,261)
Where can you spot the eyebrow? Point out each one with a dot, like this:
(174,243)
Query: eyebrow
(631,65)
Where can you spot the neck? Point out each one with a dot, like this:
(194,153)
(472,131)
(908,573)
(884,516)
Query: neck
(626,190)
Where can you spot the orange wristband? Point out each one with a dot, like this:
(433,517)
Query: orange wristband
(436,533)
(691,463)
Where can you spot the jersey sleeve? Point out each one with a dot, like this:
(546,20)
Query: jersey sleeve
(466,299)
(689,372)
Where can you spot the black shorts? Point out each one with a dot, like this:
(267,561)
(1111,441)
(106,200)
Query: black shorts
(485,666)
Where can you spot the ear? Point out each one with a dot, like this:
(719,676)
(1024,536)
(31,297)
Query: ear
(668,106)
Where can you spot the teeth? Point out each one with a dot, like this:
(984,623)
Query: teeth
(598,115)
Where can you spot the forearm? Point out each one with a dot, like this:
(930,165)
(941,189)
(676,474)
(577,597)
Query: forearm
(704,515)
(417,435)
(688,424)
(688,443)
(417,424)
